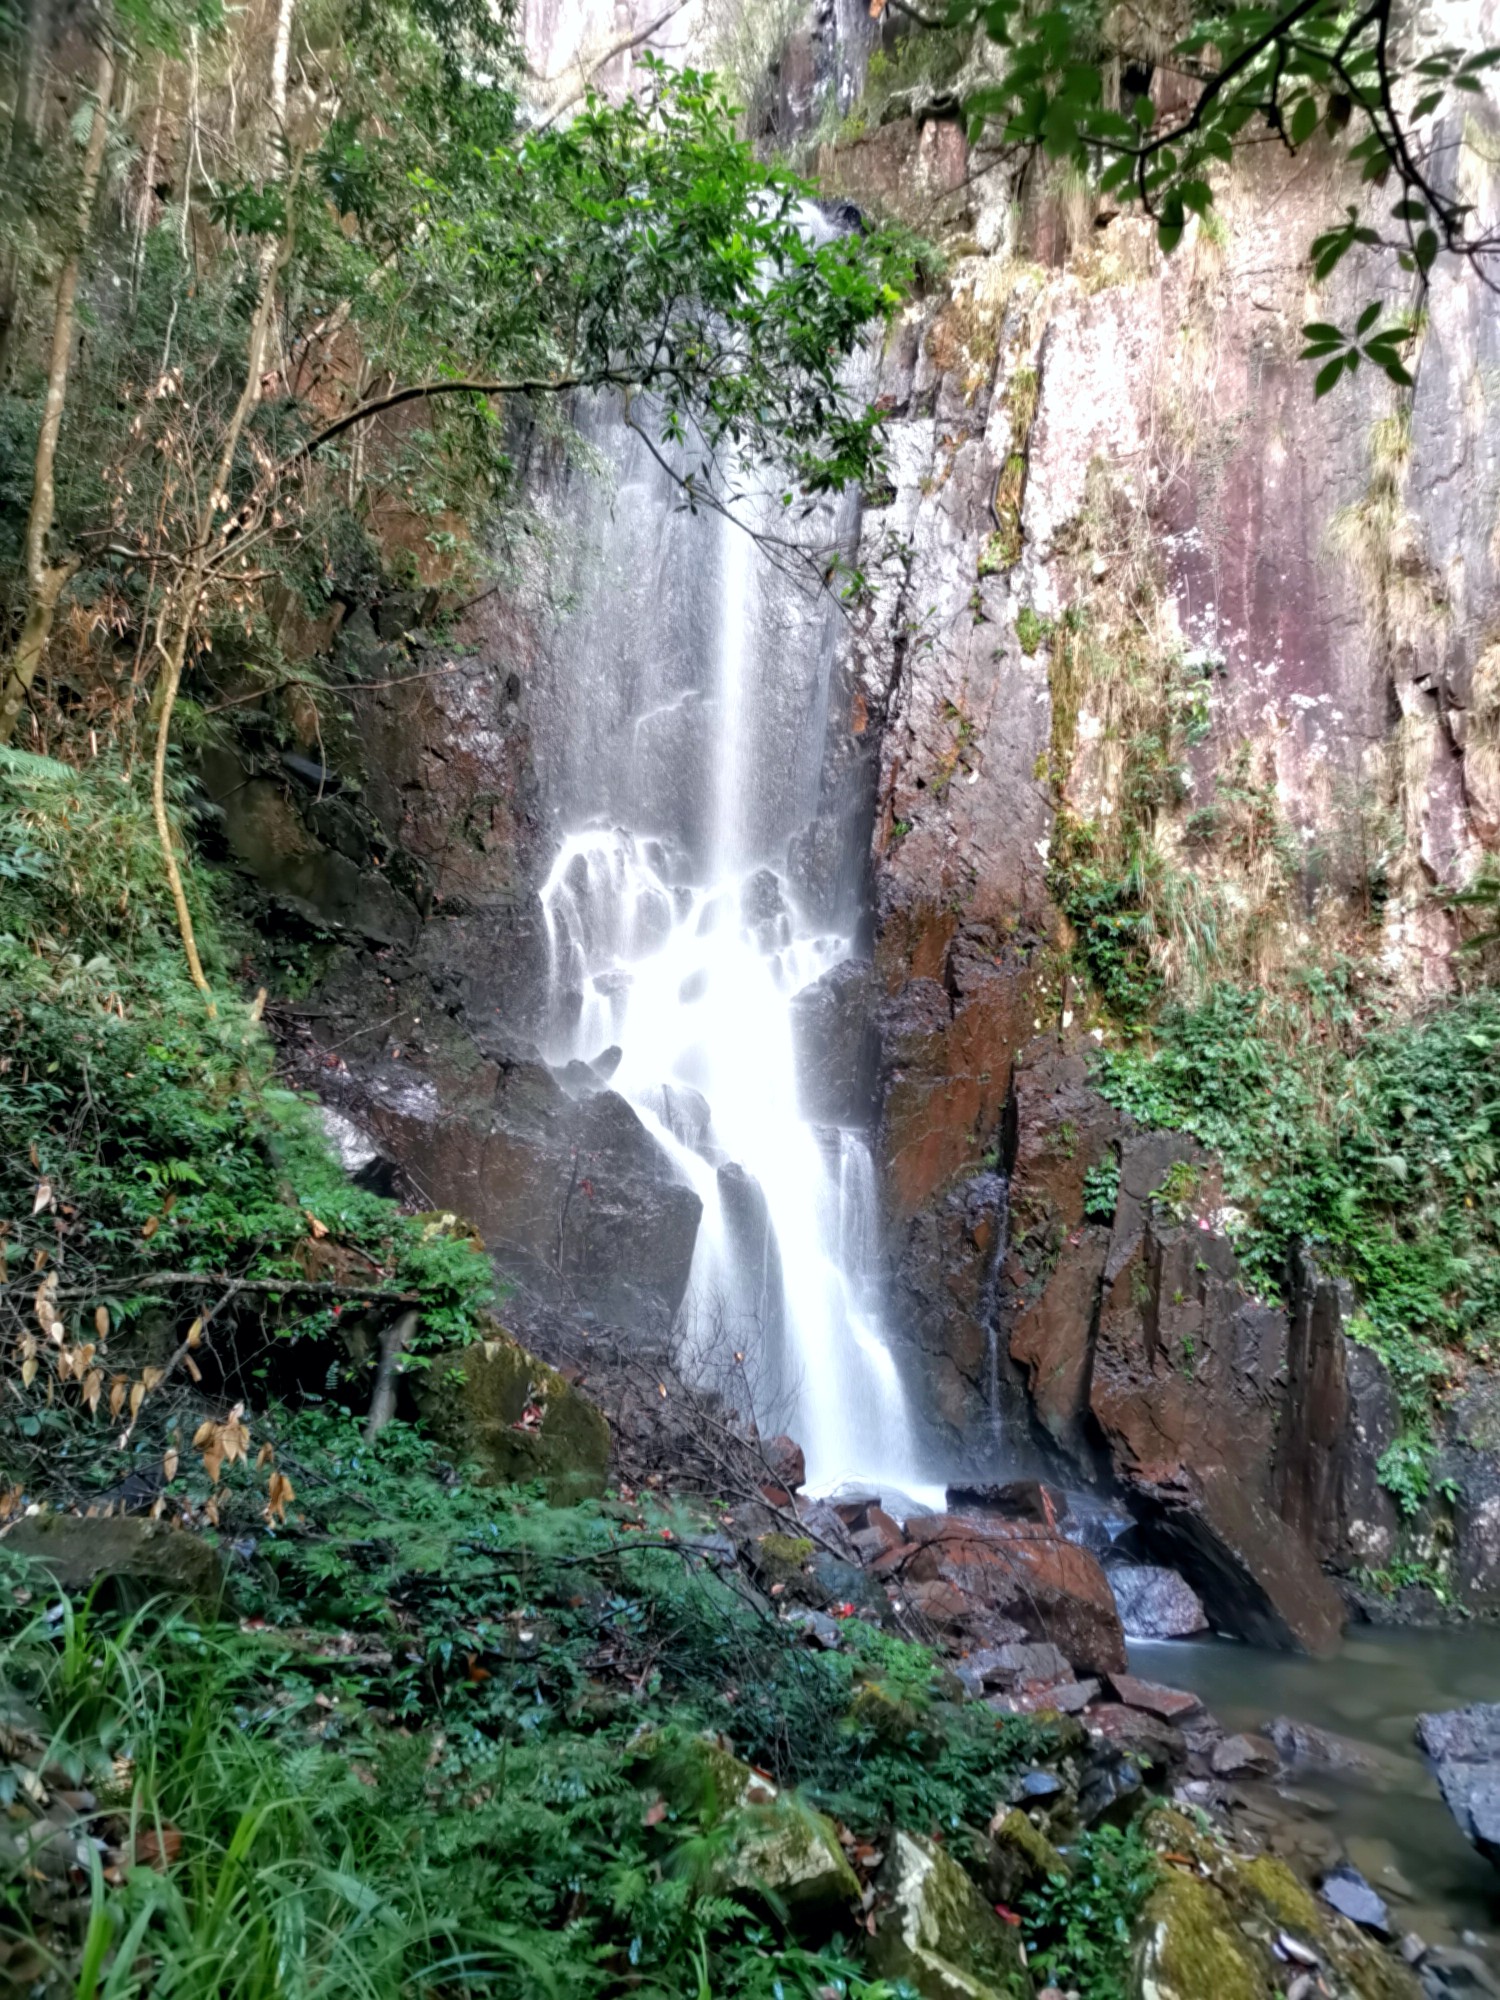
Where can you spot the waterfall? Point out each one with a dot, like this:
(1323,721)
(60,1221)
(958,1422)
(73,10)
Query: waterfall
(678,942)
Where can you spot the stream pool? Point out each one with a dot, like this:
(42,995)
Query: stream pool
(1394,1824)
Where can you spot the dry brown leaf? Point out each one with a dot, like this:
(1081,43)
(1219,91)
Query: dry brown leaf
(317,1230)
(92,1386)
(116,1396)
(158,1847)
(192,1367)
(264,1456)
(151,1378)
(203,1433)
(169,1464)
(28,1371)
(43,1198)
(195,1333)
(137,1397)
(151,1225)
(101,1321)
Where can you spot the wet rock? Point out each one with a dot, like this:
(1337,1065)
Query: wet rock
(817,1627)
(1346,1890)
(1464,1745)
(1448,1973)
(1156,1603)
(938,1933)
(573,1194)
(1016,1500)
(1320,1749)
(835,1046)
(132,1559)
(518,1419)
(1183,1387)
(1020,1573)
(1251,1755)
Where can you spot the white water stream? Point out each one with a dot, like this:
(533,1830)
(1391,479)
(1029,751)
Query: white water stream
(680,944)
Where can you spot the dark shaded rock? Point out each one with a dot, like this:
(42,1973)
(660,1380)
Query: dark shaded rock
(1151,1744)
(1344,1889)
(1016,1500)
(518,1419)
(1185,1376)
(134,1559)
(1464,1744)
(836,1047)
(1022,1574)
(1446,1972)
(574,1195)
(1156,1603)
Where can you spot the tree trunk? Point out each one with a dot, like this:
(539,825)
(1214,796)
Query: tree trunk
(44,581)
(19,159)
(175,626)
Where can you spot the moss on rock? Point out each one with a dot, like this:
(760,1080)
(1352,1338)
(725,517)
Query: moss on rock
(130,1558)
(1190,1946)
(516,1418)
(938,1933)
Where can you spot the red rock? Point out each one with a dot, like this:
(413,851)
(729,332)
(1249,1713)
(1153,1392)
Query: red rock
(1171,1704)
(1025,1574)
(1145,1737)
(894,1560)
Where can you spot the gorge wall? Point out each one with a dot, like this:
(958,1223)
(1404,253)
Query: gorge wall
(1115,516)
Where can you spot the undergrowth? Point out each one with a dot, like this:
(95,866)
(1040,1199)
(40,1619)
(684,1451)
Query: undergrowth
(145,1137)
(1379,1147)
(423,1760)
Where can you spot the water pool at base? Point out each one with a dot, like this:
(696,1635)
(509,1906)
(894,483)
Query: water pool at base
(1372,1693)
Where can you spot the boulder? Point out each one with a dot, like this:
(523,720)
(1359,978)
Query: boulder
(1464,1745)
(1184,1387)
(518,1419)
(570,1192)
(972,1574)
(1312,1749)
(1170,1704)
(772,1844)
(130,1558)
(938,1933)
(1156,1603)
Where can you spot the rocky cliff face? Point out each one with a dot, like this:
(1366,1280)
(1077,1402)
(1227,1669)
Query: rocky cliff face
(1113,510)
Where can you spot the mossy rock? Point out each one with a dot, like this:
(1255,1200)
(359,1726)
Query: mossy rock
(1256,1897)
(792,1855)
(517,1419)
(782,1558)
(775,1845)
(131,1559)
(939,1934)
(1020,1858)
(1190,1947)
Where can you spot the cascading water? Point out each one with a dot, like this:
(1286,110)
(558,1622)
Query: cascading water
(677,938)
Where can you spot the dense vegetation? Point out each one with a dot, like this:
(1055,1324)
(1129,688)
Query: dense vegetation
(450,1745)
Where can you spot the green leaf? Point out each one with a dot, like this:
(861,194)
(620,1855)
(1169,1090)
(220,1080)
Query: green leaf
(1367,318)
(1304,120)
(1426,249)
(1328,376)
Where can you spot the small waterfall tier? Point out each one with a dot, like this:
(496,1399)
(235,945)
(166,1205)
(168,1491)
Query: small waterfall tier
(692,984)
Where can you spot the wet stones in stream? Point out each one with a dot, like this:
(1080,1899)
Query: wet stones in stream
(1464,1745)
